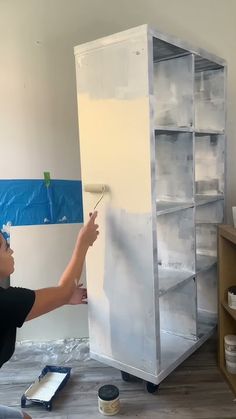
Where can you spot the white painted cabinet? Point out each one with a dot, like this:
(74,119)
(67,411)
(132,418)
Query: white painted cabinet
(152,128)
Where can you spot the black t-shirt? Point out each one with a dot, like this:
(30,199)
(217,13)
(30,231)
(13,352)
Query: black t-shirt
(15,305)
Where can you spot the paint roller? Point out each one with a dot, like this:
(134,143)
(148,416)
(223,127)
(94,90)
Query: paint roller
(97,188)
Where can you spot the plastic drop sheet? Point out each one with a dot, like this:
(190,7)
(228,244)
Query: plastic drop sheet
(59,352)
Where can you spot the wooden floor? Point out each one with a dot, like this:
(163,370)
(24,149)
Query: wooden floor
(194,390)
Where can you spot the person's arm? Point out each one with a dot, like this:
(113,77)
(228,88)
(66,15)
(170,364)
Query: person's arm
(48,299)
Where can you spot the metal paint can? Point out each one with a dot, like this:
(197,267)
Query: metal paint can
(108,400)
(230,356)
(232,297)
(231,367)
(230,343)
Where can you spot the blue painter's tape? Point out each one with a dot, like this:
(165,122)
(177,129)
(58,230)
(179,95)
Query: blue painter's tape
(31,202)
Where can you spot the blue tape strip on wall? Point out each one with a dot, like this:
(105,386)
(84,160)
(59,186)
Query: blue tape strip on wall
(32,202)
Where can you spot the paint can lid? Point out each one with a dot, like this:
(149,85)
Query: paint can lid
(232,289)
(230,339)
(108,392)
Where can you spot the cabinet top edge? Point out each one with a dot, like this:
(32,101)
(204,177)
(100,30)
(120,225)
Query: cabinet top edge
(146,29)
(228,232)
(111,39)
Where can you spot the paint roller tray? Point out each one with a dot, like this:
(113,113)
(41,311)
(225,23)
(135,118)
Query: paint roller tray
(51,380)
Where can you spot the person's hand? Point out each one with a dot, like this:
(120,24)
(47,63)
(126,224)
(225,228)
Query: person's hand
(89,232)
(79,295)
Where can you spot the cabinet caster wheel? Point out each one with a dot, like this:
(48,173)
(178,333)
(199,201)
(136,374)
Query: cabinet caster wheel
(125,376)
(48,407)
(23,401)
(151,388)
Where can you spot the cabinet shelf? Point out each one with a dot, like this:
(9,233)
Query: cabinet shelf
(166,207)
(173,347)
(231,311)
(166,128)
(209,132)
(227,316)
(173,129)
(206,323)
(205,262)
(170,279)
(205,199)
(228,233)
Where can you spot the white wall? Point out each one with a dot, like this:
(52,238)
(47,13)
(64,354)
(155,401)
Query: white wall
(38,113)
(40,256)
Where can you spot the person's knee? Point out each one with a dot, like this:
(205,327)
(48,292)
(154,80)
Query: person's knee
(26,416)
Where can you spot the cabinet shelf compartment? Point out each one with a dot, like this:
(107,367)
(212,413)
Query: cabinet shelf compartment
(207,300)
(209,99)
(210,213)
(174,169)
(175,238)
(173,92)
(163,50)
(209,165)
(172,349)
(170,279)
(178,311)
(207,218)
(206,245)
(204,262)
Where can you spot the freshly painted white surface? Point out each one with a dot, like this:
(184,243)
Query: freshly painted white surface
(112,83)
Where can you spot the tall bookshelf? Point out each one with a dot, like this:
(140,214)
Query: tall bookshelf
(227,278)
(152,127)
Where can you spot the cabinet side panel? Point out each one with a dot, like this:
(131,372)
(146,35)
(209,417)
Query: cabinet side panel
(113,100)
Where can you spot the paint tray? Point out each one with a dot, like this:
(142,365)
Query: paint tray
(51,380)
